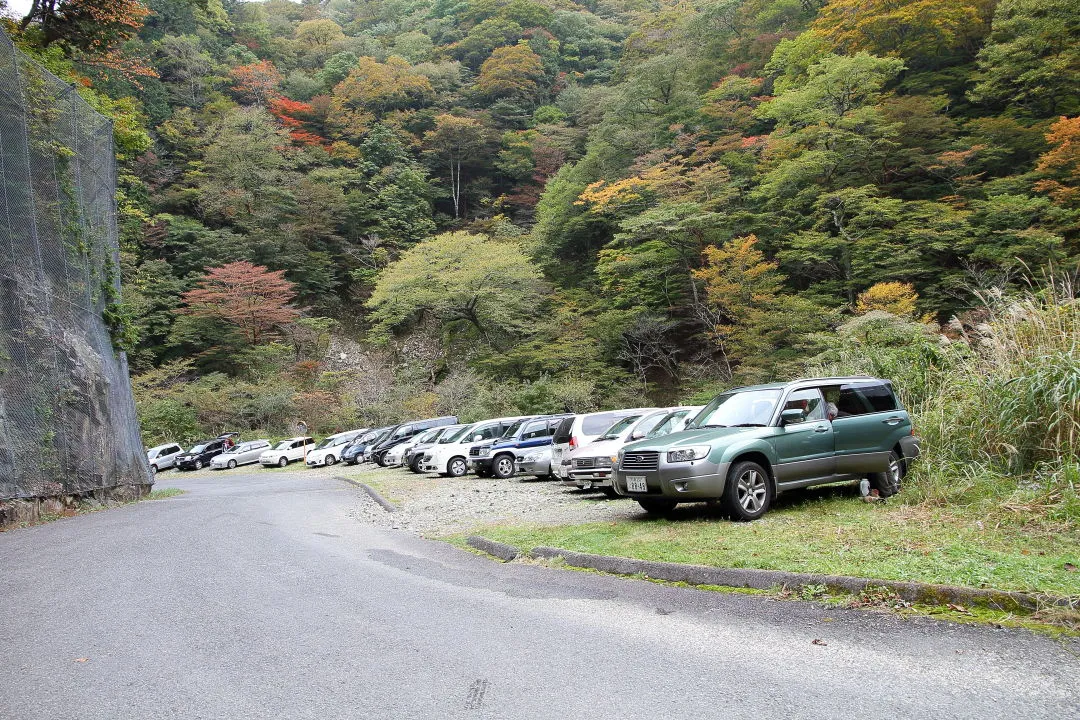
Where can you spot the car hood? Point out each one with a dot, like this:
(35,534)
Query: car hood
(704,436)
(597,448)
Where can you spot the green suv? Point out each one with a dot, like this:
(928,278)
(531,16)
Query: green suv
(751,443)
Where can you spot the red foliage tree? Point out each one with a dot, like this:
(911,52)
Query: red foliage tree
(301,120)
(250,297)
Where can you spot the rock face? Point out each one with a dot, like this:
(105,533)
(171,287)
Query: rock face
(67,416)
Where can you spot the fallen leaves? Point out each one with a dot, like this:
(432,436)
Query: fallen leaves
(818,641)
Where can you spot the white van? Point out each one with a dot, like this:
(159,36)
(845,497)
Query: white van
(573,432)
(328,451)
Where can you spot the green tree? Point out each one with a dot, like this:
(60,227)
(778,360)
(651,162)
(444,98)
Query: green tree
(466,282)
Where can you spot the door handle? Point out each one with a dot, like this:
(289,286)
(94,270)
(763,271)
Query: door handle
(821,428)
(892,421)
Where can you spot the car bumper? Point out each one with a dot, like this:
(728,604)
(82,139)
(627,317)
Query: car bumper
(479,464)
(269,461)
(429,465)
(589,478)
(538,467)
(911,446)
(187,465)
(699,480)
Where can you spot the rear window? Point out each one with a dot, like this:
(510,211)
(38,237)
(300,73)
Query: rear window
(596,424)
(861,399)
(538,428)
(562,432)
(879,397)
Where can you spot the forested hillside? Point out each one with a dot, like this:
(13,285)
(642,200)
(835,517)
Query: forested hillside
(494,205)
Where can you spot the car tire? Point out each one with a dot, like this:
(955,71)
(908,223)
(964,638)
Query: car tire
(415,466)
(330,460)
(457,467)
(657,506)
(198,464)
(748,492)
(483,472)
(888,483)
(502,466)
(282,462)
(153,469)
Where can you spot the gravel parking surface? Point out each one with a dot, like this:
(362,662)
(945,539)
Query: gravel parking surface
(429,505)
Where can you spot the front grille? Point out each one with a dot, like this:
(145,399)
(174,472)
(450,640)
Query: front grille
(640,461)
(583,462)
(479,450)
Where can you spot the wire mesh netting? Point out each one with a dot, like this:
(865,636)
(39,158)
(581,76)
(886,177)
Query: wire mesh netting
(67,416)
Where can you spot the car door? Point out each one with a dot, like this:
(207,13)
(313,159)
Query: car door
(170,456)
(868,423)
(805,449)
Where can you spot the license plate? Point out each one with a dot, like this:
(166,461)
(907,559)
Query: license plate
(636,483)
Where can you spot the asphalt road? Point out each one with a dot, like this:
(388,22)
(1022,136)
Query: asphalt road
(261,595)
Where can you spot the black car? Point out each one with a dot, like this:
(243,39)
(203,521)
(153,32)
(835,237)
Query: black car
(404,431)
(199,455)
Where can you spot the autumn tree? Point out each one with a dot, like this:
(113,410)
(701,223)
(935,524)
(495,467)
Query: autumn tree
(452,143)
(93,26)
(250,298)
(256,83)
(1061,163)
(897,298)
(510,71)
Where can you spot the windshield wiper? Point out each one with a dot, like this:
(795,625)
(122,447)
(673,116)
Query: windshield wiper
(749,425)
(701,427)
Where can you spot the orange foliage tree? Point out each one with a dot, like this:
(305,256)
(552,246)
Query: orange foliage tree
(510,71)
(251,298)
(256,82)
(1062,163)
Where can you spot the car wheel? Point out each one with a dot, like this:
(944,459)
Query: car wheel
(282,462)
(198,464)
(153,469)
(503,467)
(415,466)
(457,467)
(232,464)
(888,483)
(657,506)
(330,460)
(748,491)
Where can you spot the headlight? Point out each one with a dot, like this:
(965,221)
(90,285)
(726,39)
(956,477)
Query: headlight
(697,452)
(604,462)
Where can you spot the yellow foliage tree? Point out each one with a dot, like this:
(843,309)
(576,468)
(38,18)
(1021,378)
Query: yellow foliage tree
(510,71)
(1062,163)
(905,28)
(897,298)
(372,89)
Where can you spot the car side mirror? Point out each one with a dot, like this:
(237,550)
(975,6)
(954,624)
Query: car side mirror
(637,436)
(477,437)
(791,416)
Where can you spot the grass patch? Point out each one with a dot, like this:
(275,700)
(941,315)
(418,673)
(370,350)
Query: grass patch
(164,493)
(826,530)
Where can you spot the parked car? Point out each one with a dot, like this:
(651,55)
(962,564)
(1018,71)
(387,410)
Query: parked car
(241,454)
(413,455)
(574,432)
(396,455)
(329,449)
(353,453)
(200,454)
(534,461)
(751,443)
(406,431)
(287,451)
(499,458)
(450,455)
(163,457)
(590,464)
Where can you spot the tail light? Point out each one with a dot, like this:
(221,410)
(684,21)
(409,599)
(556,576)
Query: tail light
(573,442)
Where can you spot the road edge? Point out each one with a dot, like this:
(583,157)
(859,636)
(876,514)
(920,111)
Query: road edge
(386,504)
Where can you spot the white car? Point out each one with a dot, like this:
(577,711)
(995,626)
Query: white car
(328,451)
(287,451)
(242,454)
(450,456)
(163,457)
(590,464)
(396,455)
(576,431)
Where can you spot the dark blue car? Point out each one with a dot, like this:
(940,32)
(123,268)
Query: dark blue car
(497,459)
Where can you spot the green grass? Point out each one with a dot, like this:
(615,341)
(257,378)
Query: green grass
(828,530)
(164,493)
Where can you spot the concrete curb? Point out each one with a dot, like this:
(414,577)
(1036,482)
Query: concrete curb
(386,504)
(504,552)
(768,579)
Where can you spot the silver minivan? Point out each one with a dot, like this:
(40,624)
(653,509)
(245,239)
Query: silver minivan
(163,457)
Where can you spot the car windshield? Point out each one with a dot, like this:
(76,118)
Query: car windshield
(401,432)
(284,445)
(429,435)
(453,437)
(512,430)
(619,428)
(325,442)
(751,408)
(198,449)
(668,423)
